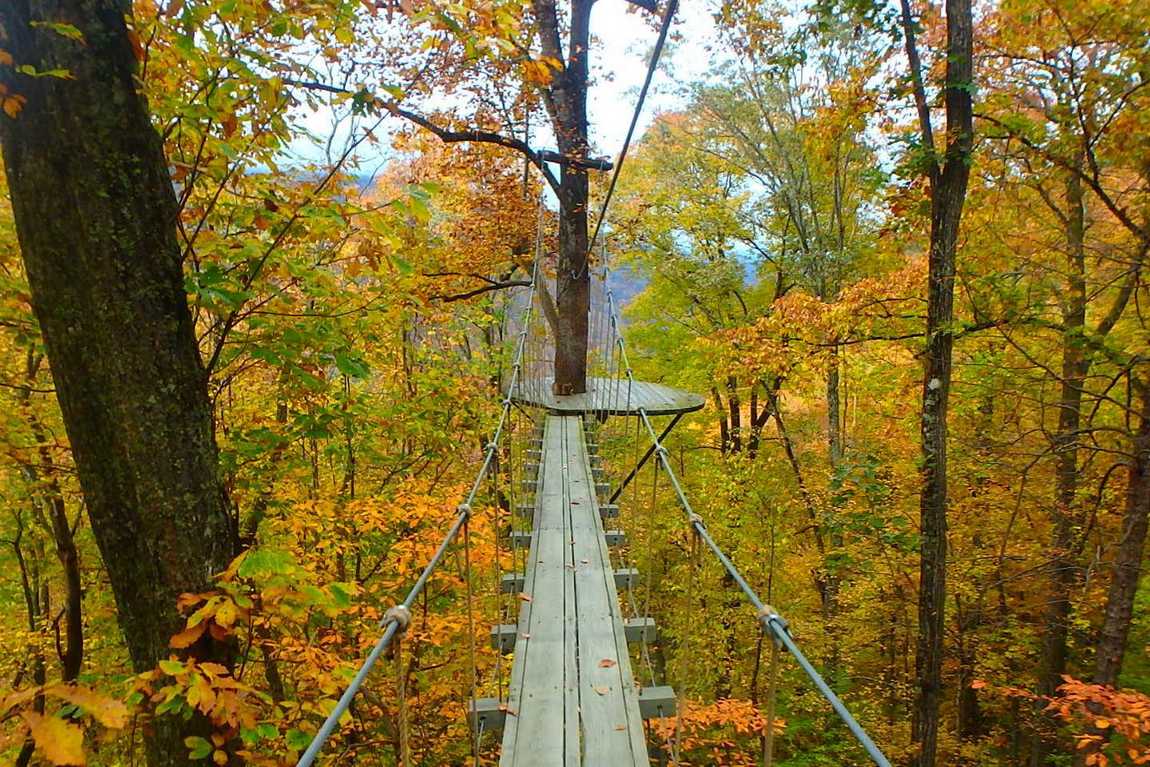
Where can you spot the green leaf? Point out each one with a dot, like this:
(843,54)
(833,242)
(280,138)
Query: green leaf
(351,366)
(198,748)
(172,667)
(64,30)
(297,740)
(264,562)
(31,71)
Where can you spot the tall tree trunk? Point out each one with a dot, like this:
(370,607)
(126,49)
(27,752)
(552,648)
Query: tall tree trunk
(1064,545)
(572,282)
(568,108)
(759,417)
(46,485)
(948,183)
(96,219)
(834,411)
(724,428)
(735,407)
(1126,569)
(835,452)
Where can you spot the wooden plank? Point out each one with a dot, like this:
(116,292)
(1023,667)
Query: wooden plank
(610,394)
(573,700)
(536,695)
(572,730)
(612,733)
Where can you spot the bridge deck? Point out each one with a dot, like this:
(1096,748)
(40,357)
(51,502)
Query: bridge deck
(612,395)
(573,699)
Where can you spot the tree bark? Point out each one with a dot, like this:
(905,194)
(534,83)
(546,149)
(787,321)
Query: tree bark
(572,282)
(834,411)
(736,410)
(96,220)
(948,184)
(1126,571)
(1064,545)
(566,101)
(721,414)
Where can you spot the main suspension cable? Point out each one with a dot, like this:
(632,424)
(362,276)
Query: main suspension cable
(664,28)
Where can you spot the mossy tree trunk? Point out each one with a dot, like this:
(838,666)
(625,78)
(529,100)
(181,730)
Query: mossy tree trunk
(96,219)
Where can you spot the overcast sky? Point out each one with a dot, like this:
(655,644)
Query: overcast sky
(622,40)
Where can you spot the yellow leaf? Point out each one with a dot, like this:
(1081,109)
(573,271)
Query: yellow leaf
(107,711)
(1102,724)
(226,614)
(220,758)
(61,743)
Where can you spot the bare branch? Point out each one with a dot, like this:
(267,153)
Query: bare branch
(920,102)
(492,285)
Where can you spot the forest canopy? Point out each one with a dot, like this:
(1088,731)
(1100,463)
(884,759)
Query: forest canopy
(263,265)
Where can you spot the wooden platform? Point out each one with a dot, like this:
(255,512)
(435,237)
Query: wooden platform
(612,396)
(573,699)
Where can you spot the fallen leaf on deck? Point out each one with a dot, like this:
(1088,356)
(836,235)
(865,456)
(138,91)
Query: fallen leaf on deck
(607,663)
(602,689)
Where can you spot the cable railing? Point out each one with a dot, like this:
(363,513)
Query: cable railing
(771,621)
(396,620)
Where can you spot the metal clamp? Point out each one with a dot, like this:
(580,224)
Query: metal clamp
(400,616)
(769,615)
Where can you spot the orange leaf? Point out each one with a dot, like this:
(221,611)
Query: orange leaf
(12,105)
(188,636)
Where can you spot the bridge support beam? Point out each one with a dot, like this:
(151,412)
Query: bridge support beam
(488,714)
(657,702)
(642,461)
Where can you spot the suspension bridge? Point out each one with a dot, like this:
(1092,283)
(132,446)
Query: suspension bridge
(582,681)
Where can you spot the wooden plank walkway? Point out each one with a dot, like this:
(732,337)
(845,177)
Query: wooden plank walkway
(573,699)
(611,395)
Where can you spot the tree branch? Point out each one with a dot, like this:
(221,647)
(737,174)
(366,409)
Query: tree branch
(538,158)
(492,285)
(1120,213)
(920,101)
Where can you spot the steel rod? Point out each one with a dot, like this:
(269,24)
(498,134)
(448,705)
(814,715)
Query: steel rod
(642,461)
